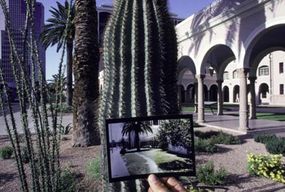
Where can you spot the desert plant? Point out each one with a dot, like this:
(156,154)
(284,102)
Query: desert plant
(42,148)
(208,175)
(64,130)
(140,57)
(6,152)
(269,166)
(93,168)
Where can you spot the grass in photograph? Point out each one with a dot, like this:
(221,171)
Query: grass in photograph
(155,161)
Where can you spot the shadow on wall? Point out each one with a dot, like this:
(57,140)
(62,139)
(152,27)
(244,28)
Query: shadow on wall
(222,8)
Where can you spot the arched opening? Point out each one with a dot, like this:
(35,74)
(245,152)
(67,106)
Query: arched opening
(181,94)
(236,94)
(190,93)
(186,76)
(214,93)
(226,94)
(260,56)
(263,93)
(206,95)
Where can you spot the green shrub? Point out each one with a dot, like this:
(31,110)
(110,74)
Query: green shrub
(206,134)
(269,166)
(208,175)
(93,168)
(223,138)
(218,137)
(67,181)
(6,152)
(264,138)
(205,145)
(276,146)
(273,144)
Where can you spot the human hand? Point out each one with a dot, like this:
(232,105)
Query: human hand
(168,184)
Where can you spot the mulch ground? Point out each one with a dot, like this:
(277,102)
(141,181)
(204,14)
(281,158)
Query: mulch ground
(232,158)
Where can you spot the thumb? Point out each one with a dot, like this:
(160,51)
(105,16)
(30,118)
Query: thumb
(156,185)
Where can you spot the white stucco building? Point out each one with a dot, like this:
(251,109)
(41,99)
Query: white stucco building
(269,85)
(234,37)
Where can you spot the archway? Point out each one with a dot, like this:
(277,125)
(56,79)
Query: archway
(181,94)
(214,93)
(186,75)
(236,94)
(263,93)
(226,94)
(190,93)
(206,95)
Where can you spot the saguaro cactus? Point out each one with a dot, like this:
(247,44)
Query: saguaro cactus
(140,58)
(140,54)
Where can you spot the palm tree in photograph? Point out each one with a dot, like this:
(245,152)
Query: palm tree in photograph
(137,128)
(86,72)
(54,33)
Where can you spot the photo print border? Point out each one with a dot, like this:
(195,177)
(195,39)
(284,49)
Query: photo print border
(192,167)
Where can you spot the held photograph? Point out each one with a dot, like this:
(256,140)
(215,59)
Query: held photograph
(138,147)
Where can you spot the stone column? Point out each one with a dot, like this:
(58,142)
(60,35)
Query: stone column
(220,97)
(252,109)
(243,112)
(179,96)
(201,115)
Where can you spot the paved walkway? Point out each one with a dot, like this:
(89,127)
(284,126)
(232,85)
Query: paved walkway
(231,123)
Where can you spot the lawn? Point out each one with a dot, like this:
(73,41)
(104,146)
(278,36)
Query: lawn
(271,116)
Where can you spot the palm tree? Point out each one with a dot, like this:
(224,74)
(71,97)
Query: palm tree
(137,128)
(86,72)
(54,33)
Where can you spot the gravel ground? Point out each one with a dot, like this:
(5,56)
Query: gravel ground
(231,157)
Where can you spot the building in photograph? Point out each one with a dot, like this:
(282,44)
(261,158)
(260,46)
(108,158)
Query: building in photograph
(17,12)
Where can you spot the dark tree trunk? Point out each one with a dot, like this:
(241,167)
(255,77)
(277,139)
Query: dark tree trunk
(137,141)
(69,90)
(86,90)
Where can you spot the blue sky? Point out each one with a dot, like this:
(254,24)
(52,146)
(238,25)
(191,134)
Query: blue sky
(183,8)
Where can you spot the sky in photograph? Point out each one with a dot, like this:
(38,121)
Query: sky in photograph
(183,8)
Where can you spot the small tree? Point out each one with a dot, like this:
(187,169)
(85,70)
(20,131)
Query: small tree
(137,128)
(54,33)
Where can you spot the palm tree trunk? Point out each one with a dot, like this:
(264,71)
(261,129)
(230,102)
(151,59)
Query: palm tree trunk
(69,90)
(137,140)
(86,62)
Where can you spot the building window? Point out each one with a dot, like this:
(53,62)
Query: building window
(235,76)
(226,75)
(281,67)
(263,71)
(281,89)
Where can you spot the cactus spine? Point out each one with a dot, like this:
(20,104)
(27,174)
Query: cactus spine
(140,59)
